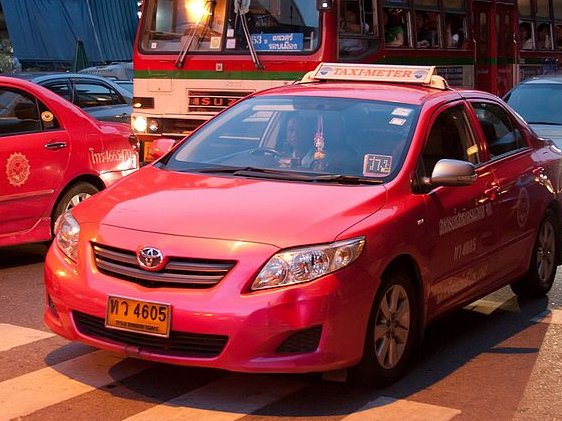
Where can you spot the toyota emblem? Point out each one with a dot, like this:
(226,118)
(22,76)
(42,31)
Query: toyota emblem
(150,258)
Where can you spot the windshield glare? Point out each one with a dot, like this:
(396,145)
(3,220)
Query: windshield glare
(313,135)
(537,103)
(275,26)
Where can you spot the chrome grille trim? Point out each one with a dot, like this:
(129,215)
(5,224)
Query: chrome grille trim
(178,272)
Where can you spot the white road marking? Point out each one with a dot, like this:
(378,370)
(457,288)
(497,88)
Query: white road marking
(549,316)
(13,336)
(485,307)
(226,399)
(30,392)
(389,409)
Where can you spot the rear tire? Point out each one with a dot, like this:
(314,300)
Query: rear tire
(76,194)
(542,270)
(392,332)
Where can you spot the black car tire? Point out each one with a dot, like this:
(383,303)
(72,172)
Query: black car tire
(542,269)
(76,194)
(392,333)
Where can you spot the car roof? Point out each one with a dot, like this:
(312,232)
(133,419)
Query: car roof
(41,77)
(554,78)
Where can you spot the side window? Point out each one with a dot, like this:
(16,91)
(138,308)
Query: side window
(61,88)
(501,134)
(19,113)
(94,94)
(396,27)
(450,137)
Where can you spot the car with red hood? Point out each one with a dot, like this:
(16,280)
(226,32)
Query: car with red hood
(242,251)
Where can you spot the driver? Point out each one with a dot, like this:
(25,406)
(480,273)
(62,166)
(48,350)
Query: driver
(298,141)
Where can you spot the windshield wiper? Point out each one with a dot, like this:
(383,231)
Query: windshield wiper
(283,175)
(241,7)
(347,179)
(546,123)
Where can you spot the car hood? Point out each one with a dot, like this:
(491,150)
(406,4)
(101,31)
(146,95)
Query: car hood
(282,213)
(549,131)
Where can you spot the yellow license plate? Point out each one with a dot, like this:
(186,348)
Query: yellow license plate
(138,316)
(147,155)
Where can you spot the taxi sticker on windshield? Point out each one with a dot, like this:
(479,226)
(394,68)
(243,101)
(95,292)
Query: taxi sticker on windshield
(377,165)
(401,112)
(397,121)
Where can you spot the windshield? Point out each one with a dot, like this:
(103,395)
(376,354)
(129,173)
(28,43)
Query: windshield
(203,25)
(537,103)
(302,135)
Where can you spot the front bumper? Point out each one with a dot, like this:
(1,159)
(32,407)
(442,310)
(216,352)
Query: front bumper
(261,328)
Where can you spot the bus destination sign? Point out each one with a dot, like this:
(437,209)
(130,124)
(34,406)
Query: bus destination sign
(278,42)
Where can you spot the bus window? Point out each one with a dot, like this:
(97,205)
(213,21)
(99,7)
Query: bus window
(395,23)
(455,31)
(358,32)
(544,37)
(525,35)
(427,29)
(276,26)
(559,36)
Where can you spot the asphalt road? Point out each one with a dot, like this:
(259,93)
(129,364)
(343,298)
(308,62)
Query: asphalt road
(499,359)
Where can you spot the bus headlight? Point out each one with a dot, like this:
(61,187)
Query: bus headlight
(154,126)
(67,231)
(305,264)
(139,124)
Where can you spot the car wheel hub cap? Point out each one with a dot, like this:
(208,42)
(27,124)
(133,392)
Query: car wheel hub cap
(545,252)
(392,326)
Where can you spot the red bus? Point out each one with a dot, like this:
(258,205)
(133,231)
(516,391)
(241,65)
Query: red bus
(193,58)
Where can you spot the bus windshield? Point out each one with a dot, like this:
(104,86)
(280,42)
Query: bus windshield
(216,26)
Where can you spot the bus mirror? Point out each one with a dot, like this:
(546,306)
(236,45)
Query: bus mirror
(161,147)
(324,4)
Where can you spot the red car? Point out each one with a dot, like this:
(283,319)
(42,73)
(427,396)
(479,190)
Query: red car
(313,227)
(52,155)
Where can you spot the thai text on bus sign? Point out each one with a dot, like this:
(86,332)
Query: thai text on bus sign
(375,73)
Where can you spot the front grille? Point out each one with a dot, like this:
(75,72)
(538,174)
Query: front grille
(179,126)
(143,102)
(181,344)
(306,340)
(212,101)
(178,272)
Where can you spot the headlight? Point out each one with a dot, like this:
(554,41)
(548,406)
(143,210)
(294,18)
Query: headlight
(300,265)
(67,231)
(139,124)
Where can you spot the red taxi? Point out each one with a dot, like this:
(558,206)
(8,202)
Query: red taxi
(52,156)
(313,227)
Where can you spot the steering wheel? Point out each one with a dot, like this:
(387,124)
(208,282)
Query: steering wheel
(266,152)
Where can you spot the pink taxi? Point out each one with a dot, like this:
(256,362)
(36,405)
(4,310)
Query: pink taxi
(52,155)
(314,227)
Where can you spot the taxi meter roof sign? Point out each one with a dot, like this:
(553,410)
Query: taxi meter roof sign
(423,75)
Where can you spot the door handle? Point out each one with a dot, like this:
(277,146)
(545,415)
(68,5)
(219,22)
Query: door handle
(55,145)
(492,192)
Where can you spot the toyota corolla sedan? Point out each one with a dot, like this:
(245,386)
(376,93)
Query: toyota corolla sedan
(52,156)
(313,227)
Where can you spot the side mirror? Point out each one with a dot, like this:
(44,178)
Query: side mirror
(161,147)
(452,172)
(323,5)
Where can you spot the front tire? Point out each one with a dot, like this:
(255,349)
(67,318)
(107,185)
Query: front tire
(73,196)
(542,269)
(392,332)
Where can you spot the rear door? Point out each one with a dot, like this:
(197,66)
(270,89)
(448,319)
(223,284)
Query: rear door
(34,153)
(520,191)
(460,220)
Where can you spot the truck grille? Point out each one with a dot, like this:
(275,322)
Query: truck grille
(181,344)
(212,101)
(178,272)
